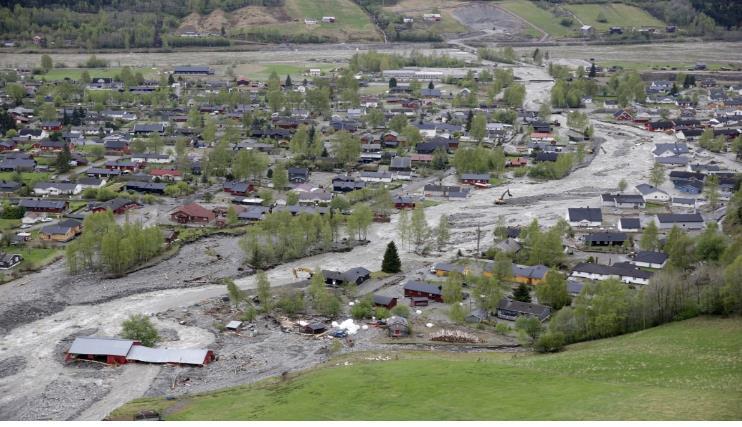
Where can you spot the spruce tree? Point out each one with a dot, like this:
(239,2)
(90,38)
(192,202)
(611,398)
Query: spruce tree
(522,293)
(391,262)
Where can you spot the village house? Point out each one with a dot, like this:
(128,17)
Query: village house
(649,259)
(526,274)
(113,351)
(146,187)
(652,193)
(192,213)
(49,206)
(62,232)
(624,272)
(356,276)
(423,290)
(690,221)
(509,309)
(606,238)
(629,225)
(397,326)
(118,205)
(584,217)
(384,301)
(298,175)
(57,188)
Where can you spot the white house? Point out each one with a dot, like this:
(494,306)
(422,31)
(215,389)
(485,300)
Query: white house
(584,217)
(624,272)
(57,188)
(649,259)
(652,193)
(385,177)
(690,221)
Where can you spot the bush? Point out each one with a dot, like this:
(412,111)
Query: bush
(361,311)
(520,172)
(550,342)
(401,311)
(502,328)
(291,303)
(138,327)
(382,313)
(567,22)
(249,315)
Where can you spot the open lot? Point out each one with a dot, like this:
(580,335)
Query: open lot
(684,370)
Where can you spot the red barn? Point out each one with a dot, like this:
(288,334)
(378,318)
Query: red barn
(414,289)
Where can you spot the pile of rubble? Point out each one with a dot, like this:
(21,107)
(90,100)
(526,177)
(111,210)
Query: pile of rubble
(455,336)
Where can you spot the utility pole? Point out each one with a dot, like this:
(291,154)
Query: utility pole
(479,237)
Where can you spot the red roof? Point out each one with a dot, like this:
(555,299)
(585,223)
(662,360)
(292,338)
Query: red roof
(195,210)
(164,172)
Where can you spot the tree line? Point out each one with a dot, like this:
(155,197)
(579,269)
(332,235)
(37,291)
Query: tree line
(112,248)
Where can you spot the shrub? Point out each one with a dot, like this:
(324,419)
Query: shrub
(401,311)
(502,328)
(550,342)
(138,327)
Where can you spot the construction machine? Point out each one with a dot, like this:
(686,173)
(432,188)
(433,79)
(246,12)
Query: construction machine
(501,200)
(304,270)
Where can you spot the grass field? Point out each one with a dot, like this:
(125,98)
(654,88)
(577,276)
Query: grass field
(621,15)
(351,24)
(75,73)
(684,370)
(28,178)
(263,71)
(541,18)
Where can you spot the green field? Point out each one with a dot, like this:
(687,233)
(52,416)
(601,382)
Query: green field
(29,178)
(263,71)
(351,22)
(75,73)
(684,370)
(541,18)
(618,14)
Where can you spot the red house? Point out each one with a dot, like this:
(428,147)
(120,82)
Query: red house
(192,213)
(166,174)
(415,289)
(53,126)
(404,202)
(516,162)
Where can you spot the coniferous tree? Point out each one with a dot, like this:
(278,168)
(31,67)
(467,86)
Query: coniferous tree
(522,293)
(391,262)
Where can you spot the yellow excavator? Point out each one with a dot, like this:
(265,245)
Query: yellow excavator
(501,200)
(303,270)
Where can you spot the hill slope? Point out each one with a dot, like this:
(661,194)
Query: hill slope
(683,370)
(287,22)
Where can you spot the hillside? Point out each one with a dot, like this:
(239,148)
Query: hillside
(286,23)
(683,370)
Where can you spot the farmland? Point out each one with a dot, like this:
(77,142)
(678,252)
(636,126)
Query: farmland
(619,14)
(684,370)
(541,18)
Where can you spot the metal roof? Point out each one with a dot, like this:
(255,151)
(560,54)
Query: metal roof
(186,356)
(101,346)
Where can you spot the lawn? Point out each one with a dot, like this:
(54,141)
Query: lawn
(620,15)
(684,370)
(541,18)
(9,224)
(29,178)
